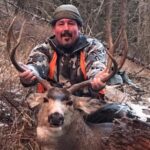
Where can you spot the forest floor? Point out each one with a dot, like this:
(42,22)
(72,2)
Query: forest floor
(137,96)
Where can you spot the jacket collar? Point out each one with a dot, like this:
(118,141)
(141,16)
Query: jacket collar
(78,46)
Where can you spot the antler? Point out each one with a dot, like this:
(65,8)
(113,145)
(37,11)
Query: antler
(19,67)
(122,33)
(78,86)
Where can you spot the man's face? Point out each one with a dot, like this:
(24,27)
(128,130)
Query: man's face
(66,32)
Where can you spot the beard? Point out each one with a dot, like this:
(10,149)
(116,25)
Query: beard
(67,40)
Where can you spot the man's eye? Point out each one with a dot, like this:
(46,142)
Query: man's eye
(60,24)
(71,23)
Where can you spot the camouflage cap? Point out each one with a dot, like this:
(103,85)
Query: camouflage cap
(66,11)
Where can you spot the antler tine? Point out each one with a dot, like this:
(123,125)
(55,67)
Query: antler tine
(125,51)
(116,42)
(78,86)
(8,43)
(45,83)
(115,68)
(13,51)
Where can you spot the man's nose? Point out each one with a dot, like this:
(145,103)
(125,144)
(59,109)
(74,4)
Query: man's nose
(66,27)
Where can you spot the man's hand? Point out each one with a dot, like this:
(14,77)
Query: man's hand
(97,81)
(27,77)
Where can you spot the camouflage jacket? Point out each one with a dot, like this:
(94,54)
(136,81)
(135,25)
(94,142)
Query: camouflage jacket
(68,68)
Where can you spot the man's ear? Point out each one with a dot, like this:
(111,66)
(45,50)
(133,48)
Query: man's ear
(79,29)
(87,105)
(35,99)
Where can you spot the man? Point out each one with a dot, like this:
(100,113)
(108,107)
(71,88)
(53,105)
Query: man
(68,56)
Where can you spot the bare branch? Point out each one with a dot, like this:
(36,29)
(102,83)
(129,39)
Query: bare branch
(32,14)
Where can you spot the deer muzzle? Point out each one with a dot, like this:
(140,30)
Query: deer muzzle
(56,119)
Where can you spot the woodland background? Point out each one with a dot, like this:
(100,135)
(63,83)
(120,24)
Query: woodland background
(94,14)
(37,14)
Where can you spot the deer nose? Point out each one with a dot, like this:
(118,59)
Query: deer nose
(56,119)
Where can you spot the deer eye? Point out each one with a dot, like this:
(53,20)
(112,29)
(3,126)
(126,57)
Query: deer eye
(69,103)
(45,99)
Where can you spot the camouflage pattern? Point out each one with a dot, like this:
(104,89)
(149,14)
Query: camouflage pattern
(68,64)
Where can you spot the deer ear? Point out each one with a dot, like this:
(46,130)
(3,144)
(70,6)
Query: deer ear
(87,105)
(35,99)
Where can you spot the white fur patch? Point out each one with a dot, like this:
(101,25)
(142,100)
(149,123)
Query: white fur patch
(46,134)
(58,107)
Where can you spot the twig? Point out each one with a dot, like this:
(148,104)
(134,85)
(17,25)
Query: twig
(34,15)
(144,67)
(18,110)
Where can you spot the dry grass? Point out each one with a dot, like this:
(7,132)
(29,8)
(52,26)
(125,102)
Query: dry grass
(18,130)
(19,134)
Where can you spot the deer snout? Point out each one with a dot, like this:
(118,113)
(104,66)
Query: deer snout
(56,119)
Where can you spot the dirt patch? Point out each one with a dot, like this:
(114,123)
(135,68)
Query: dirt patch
(141,77)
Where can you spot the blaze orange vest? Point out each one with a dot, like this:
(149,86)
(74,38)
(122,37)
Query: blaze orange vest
(52,66)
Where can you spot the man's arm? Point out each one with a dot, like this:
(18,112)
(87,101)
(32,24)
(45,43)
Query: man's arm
(96,63)
(37,64)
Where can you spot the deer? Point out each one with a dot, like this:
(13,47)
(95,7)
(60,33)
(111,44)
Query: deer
(61,117)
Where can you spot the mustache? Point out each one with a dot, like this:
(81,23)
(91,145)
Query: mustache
(66,33)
